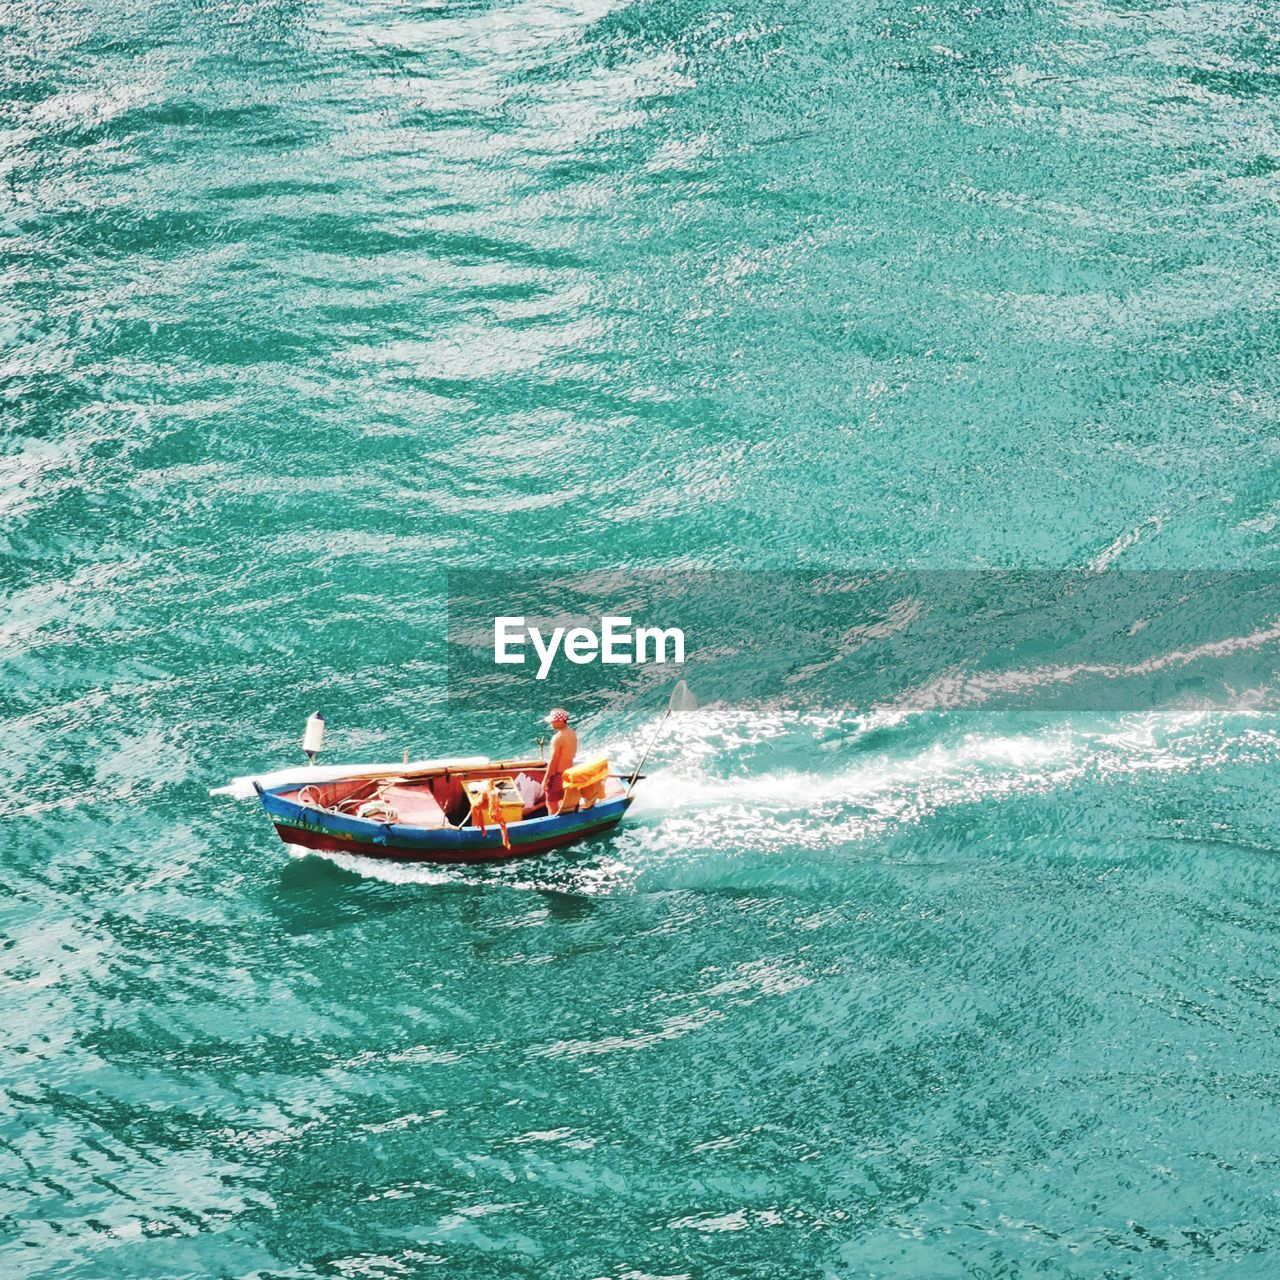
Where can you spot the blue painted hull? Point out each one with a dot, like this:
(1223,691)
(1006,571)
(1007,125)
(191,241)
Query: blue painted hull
(340,833)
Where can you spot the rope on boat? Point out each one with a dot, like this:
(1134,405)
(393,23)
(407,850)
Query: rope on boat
(374,808)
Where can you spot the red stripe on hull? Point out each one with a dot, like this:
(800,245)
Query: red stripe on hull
(392,853)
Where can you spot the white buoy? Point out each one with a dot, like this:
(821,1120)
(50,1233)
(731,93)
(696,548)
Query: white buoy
(313,737)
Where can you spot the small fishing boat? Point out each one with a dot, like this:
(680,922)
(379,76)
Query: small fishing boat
(469,811)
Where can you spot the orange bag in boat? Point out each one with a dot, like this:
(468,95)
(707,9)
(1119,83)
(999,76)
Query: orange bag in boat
(584,784)
(588,774)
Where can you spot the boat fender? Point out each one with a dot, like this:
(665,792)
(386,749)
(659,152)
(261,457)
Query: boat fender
(378,811)
(313,737)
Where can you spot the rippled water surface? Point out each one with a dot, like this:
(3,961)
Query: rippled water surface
(305,302)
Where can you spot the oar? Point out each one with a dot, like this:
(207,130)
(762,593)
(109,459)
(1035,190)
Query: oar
(682,699)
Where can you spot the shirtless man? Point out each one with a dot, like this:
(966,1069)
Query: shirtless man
(564,746)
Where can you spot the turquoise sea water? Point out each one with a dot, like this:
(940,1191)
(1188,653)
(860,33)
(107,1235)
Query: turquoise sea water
(305,303)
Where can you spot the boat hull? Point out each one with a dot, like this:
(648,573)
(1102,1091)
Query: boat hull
(333,833)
